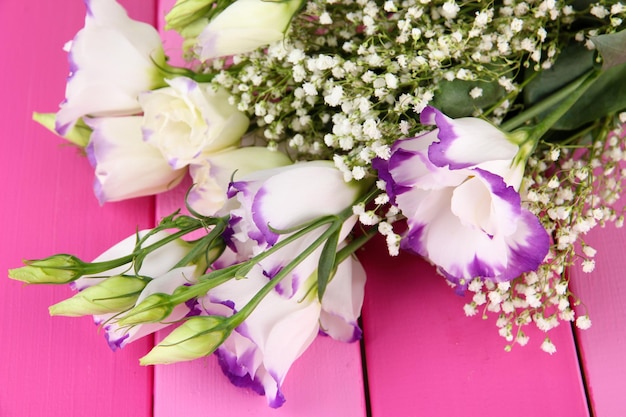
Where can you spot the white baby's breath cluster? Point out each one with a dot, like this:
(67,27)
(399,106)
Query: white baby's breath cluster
(571,191)
(352,76)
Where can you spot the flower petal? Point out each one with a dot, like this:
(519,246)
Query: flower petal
(342,302)
(112,59)
(246,25)
(126,166)
(466,141)
(300,193)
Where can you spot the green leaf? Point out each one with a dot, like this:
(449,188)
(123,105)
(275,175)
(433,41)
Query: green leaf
(453,97)
(326,265)
(612,48)
(607,95)
(573,62)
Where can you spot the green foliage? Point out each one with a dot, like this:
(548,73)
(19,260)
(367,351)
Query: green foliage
(453,97)
(605,96)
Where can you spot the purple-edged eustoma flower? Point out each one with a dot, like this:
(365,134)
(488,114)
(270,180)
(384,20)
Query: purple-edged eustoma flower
(246,25)
(259,353)
(112,59)
(188,121)
(457,185)
(125,165)
(157,265)
(283,198)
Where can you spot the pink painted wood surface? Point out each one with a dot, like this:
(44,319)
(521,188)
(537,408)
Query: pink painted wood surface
(425,358)
(55,367)
(603,346)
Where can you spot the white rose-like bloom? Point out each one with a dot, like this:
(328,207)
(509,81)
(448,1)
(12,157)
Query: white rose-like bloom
(188,121)
(246,25)
(112,59)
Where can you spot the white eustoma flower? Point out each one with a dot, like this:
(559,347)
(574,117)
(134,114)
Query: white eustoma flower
(112,59)
(188,121)
(260,352)
(125,165)
(283,198)
(212,175)
(246,25)
(158,265)
(457,187)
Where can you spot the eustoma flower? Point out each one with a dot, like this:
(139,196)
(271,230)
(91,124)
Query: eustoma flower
(260,352)
(246,25)
(457,185)
(112,59)
(189,120)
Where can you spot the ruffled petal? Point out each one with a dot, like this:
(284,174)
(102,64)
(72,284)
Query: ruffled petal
(466,142)
(300,193)
(126,166)
(342,302)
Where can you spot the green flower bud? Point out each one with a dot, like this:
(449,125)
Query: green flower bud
(112,295)
(57,269)
(185,12)
(197,337)
(79,134)
(152,309)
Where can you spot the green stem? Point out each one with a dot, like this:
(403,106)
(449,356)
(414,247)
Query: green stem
(220,276)
(355,244)
(238,318)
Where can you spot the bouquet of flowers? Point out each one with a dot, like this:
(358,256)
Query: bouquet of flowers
(485,137)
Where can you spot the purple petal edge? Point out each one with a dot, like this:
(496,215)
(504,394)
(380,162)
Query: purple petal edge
(236,373)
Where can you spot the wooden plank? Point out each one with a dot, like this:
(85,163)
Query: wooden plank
(55,366)
(424,357)
(325,381)
(604,344)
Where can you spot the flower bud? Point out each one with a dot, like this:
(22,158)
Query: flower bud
(78,134)
(112,295)
(152,309)
(197,337)
(57,269)
(185,12)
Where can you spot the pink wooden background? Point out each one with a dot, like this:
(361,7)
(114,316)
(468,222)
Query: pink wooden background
(422,356)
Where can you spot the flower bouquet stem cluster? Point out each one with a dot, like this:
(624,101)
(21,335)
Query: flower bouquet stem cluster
(486,138)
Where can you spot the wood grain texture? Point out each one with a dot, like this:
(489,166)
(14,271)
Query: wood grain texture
(425,358)
(55,366)
(603,346)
